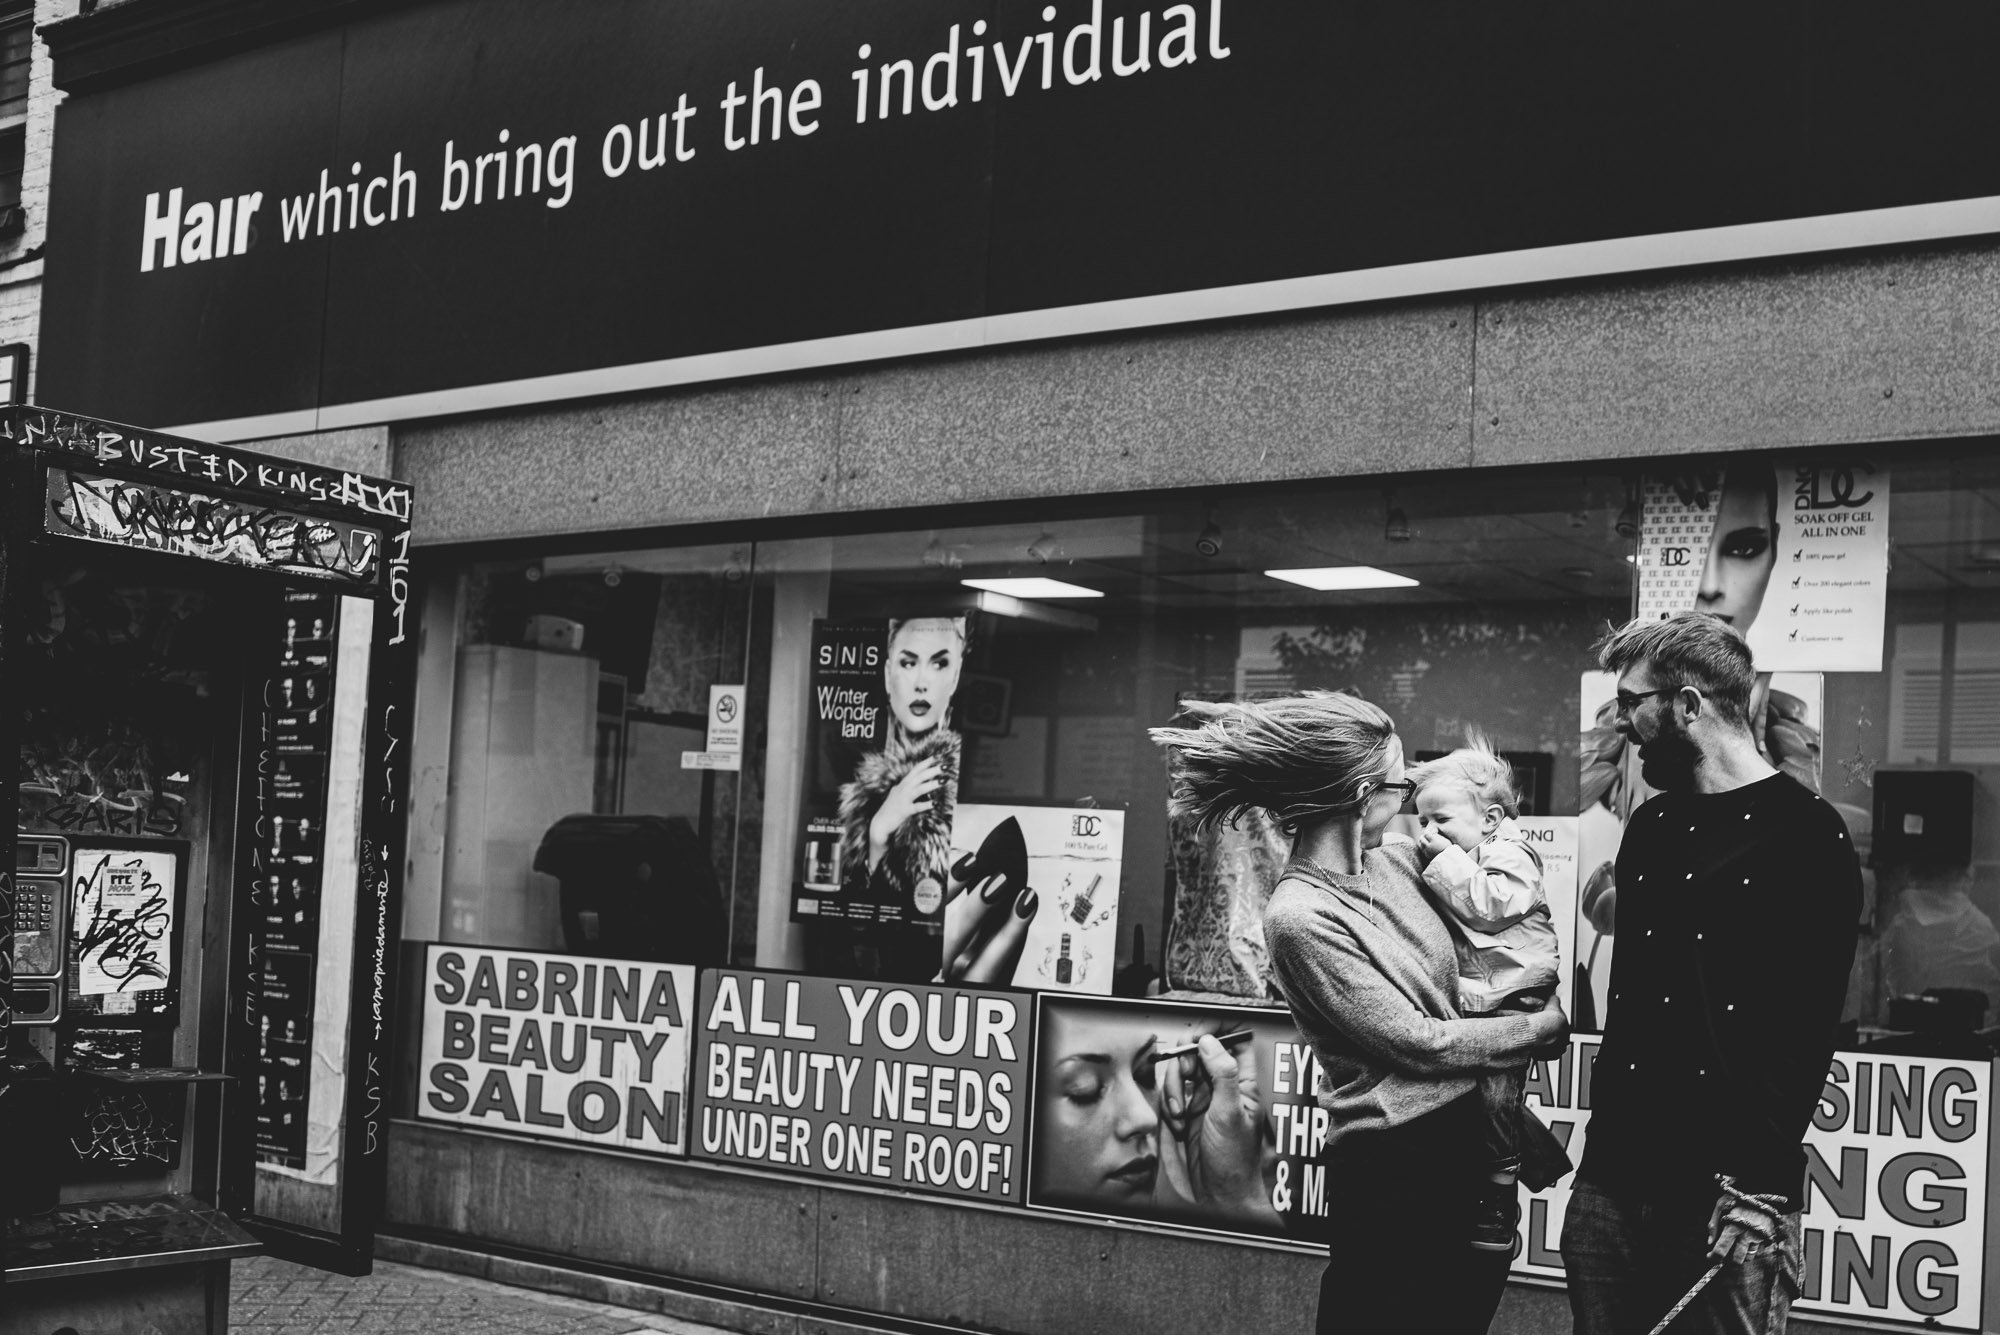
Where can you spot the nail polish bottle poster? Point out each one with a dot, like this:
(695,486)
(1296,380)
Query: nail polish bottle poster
(1074,858)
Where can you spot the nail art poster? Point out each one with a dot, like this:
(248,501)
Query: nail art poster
(1795,556)
(1073,856)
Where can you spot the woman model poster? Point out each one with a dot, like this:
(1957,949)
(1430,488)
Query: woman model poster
(885,774)
(1795,557)
(1134,1118)
(895,813)
(1712,542)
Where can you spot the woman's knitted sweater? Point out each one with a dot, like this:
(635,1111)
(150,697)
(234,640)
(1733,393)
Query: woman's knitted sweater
(1367,966)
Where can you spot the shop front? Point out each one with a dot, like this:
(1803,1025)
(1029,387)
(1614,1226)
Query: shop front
(210,668)
(888,1081)
(842,438)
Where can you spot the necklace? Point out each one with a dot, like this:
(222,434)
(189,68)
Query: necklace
(1312,865)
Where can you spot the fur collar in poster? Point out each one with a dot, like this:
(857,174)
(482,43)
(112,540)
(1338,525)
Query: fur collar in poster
(922,846)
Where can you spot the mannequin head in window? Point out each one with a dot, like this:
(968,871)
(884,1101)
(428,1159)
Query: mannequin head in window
(921,674)
(1743,547)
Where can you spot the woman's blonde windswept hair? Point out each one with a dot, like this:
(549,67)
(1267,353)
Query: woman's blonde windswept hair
(1299,757)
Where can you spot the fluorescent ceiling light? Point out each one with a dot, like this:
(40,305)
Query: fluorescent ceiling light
(1002,605)
(1032,587)
(1328,578)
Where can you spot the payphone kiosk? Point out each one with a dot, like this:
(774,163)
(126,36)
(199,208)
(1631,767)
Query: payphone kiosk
(206,663)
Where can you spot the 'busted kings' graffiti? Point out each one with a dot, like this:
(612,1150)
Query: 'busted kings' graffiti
(211,528)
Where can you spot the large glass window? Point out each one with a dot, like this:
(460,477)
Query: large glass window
(585,813)
(924,708)
(1914,753)
(1455,605)
(1018,667)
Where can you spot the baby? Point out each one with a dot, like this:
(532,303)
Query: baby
(1489,883)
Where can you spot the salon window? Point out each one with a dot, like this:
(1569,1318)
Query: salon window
(1010,671)
(581,817)
(1456,605)
(1912,756)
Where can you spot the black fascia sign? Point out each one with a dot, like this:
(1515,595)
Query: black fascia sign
(463,205)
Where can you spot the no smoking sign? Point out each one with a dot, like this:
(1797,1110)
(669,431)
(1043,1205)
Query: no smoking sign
(725,720)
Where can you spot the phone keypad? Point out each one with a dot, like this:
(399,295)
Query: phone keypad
(37,929)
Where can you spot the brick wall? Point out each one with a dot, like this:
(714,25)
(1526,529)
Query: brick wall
(21,277)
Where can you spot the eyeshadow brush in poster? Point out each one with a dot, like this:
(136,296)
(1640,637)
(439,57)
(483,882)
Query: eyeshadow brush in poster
(1131,1120)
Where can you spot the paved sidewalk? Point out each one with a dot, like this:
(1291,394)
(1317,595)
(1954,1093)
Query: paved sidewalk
(271,1297)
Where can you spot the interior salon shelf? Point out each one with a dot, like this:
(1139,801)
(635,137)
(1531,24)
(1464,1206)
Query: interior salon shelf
(89,1237)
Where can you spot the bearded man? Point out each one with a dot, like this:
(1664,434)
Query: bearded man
(1738,894)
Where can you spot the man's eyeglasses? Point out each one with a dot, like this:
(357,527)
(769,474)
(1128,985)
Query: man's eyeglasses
(1631,700)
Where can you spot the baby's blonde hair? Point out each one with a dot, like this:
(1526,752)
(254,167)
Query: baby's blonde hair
(1300,757)
(1478,769)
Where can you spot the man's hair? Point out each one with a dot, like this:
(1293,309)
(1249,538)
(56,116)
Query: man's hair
(1301,757)
(1688,649)
(1477,769)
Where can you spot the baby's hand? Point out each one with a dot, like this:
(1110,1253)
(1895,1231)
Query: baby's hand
(1430,843)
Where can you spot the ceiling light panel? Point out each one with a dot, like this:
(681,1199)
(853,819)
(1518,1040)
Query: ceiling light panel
(1032,587)
(1329,579)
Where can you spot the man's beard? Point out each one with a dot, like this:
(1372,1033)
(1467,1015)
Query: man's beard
(1667,761)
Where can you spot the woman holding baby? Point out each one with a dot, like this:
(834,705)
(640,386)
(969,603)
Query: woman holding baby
(1372,976)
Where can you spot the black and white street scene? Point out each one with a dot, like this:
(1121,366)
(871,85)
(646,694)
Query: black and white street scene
(999,667)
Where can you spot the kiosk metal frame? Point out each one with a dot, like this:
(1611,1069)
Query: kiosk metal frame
(285,529)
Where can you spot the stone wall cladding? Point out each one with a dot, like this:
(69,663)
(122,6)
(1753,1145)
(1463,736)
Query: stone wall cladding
(1888,345)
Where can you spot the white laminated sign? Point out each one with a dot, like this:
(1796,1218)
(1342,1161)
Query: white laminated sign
(1795,556)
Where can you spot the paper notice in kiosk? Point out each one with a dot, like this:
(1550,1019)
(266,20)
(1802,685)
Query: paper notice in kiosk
(123,920)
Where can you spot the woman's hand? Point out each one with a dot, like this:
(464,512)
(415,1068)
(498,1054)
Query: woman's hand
(985,928)
(1551,1029)
(1213,1110)
(911,794)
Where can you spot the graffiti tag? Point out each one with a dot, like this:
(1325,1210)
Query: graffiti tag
(210,528)
(124,924)
(212,463)
(131,811)
(119,1129)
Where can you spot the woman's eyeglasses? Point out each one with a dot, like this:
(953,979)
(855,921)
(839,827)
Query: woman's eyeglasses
(1405,790)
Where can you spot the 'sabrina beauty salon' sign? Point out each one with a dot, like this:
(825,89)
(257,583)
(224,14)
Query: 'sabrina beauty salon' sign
(460,205)
(1172,1114)
(582,1050)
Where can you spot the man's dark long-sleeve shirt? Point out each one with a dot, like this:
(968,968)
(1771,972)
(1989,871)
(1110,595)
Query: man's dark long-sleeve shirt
(1736,923)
